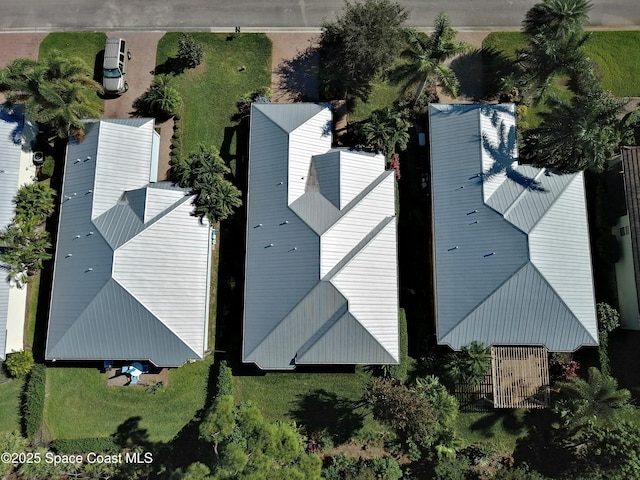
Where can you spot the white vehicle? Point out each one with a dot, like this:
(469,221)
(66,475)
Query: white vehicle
(114,67)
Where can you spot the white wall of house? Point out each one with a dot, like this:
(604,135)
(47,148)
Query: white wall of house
(625,277)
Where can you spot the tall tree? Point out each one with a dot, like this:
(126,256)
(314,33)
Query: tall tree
(358,44)
(204,172)
(385,131)
(57,92)
(556,35)
(578,135)
(425,59)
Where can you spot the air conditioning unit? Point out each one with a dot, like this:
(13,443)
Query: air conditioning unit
(38,158)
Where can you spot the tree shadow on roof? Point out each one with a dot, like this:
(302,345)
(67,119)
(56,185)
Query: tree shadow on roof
(504,155)
(320,410)
(298,76)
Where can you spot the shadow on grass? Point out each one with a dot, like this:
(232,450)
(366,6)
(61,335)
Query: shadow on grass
(298,77)
(511,421)
(469,71)
(320,410)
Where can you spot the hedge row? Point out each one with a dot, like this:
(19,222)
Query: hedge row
(33,400)
(85,445)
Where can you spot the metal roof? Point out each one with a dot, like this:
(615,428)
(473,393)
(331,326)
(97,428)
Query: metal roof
(131,278)
(511,242)
(11,125)
(321,269)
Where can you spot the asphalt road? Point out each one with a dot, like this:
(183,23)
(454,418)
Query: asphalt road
(282,15)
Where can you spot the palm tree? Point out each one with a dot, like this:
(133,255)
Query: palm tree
(23,250)
(34,203)
(425,59)
(217,200)
(468,366)
(57,92)
(581,134)
(162,99)
(555,17)
(595,400)
(385,130)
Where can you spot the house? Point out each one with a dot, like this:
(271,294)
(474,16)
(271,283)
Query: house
(321,258)
(511,242)
(131,275)
(16,169)
(624,181)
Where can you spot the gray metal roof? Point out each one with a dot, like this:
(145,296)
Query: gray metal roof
(321,270)
(131,277)
(11,125)
(512,255)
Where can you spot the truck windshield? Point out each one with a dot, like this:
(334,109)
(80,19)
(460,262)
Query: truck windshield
(111,72)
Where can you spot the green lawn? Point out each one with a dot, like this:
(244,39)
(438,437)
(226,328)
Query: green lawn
(383,94)
(616,55)
(85,45)
(10,405)
(32,308)
(211,90)
(80,404)
(316,400)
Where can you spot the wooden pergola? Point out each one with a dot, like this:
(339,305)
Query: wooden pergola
(520,377)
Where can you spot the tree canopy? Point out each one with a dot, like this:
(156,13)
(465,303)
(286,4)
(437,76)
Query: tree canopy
(357,45)
(247,446)
(204,172)
(58,93)
(425,58)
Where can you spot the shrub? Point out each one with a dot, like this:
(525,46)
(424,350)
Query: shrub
(162,99)
(224,382)
(189,51)
(85,445)
(48,167)
(19,364)
(33,400)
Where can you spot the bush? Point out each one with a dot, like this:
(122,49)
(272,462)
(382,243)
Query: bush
(33,400)
(224,382)
(162,99)
(189,51)
(19,364)
(85,445)
(48,167)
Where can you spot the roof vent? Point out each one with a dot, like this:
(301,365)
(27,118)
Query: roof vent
(69,255)
(474,222)
(472,212)
(258,225)
(90,269)
(453,248)
(490,254)
(77,236)
(87,159)
(90,233)
(77,161)
(280,183)
(285,222)
(293,249)
(270,245)
(89,192)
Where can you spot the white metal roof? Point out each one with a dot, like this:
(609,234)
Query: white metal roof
(321,269)
(11,124)
(512,254)
(131,277)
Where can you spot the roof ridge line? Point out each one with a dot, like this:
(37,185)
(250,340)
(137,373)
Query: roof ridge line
(357,248)
(485,298)
(520,195)
(569,183)
(146,307)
